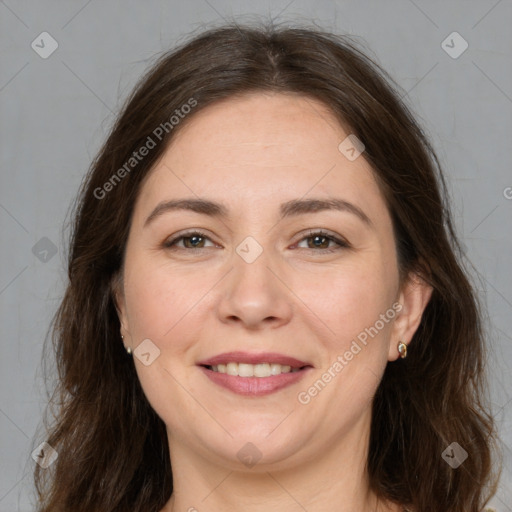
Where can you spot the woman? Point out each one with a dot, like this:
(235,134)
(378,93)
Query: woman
(266,307)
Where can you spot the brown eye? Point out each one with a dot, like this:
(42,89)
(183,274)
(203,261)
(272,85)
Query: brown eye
(321,240)
(195,241)
(191,240)
(318,241)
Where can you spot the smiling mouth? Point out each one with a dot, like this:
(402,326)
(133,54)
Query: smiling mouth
(253,370)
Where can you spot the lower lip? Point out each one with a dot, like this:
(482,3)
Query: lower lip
(255,386)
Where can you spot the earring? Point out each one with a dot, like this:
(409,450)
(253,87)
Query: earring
(128,349)
(402,349)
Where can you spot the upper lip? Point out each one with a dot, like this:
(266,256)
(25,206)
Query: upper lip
(248,358)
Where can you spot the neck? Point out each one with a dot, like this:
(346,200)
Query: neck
(333,481)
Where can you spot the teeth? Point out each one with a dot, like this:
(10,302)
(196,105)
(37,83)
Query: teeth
(231,369)
(245,370)
(262,370)
(253,370)
(275,369)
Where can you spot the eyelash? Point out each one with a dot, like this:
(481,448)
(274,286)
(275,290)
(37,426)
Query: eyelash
(170,244)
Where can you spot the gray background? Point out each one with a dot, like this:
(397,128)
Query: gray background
(55,112)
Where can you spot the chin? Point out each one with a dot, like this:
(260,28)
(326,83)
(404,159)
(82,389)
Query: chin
(254,449)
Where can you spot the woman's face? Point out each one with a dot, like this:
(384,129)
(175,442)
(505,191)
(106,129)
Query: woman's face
(255,282)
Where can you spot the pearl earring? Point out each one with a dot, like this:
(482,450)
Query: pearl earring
(402,349)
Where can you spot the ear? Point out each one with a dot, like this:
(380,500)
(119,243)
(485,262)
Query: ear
(117,290)
(414,296)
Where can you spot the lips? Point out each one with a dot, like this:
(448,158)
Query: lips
(292,371)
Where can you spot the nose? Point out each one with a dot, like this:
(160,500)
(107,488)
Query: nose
(254,294)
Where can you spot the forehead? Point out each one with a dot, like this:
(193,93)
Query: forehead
(277,128)
(250,149)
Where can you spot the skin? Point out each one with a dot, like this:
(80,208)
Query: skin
(253,153)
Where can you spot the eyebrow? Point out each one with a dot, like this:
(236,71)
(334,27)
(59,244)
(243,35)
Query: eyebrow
(290,208)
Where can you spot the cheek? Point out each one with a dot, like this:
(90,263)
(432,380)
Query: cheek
(161,304)
(160,298)
(355,347)
(349,297)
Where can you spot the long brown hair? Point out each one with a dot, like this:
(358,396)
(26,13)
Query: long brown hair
(113,450)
